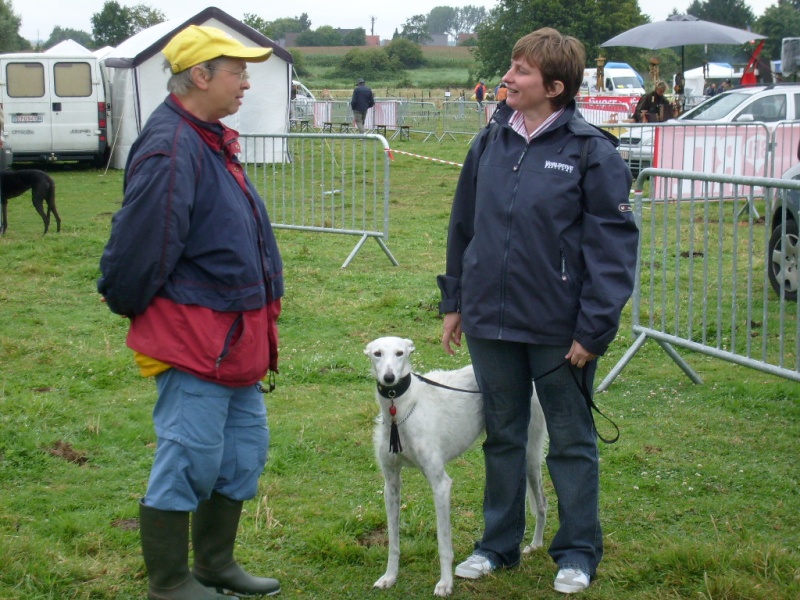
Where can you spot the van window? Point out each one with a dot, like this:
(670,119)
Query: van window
(72,79)
(25,80)
(623,83)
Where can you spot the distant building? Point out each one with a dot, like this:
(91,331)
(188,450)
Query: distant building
(463,37)
(289,40)
(437,39)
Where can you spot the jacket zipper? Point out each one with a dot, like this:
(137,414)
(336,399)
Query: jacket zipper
(226,347)
(504,270)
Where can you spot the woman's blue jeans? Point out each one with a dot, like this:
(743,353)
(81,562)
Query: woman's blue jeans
(505,371)
(211,437)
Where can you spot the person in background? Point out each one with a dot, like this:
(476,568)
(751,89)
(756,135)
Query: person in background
(654,106)
(502,92)
(361,102)
(192,261)
(541,257)
(680,84)
(480,93)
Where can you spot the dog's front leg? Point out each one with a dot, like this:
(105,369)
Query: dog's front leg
(441,485)
(391,497)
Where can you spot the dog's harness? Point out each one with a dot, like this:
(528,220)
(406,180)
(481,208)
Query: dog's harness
(392,392)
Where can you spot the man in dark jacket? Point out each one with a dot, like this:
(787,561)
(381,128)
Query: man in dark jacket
(193,263)
(361,102)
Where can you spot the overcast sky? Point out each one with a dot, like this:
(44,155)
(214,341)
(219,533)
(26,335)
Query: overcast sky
(39,17)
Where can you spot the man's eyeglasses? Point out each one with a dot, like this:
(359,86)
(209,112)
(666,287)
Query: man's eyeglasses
(243,75)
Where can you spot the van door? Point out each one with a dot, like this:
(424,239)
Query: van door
(75,106)
(27,107)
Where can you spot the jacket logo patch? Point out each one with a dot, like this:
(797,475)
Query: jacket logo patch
(625,208)
(549,164)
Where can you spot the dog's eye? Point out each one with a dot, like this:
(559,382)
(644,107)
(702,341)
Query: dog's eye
(399,353)
(378,353)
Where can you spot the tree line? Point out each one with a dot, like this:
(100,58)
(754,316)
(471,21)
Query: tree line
(115,23)
(591,21)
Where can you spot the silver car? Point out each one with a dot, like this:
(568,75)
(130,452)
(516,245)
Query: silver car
(783,242)
(752,104)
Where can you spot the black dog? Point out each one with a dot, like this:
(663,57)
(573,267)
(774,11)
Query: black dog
(43,189)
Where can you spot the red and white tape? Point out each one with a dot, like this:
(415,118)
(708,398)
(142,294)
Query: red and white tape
(439,160)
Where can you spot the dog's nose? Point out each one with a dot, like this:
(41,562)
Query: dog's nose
(389,377)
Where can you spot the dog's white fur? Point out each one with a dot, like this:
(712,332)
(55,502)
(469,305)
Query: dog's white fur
(436,425)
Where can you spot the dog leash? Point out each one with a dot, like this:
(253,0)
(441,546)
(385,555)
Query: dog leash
(587,395)
(582,386)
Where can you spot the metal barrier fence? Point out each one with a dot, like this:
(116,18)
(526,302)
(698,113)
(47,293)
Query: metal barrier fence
(335,183)
(604,114)
(705,280)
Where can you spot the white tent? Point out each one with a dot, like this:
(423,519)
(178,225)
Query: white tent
(138,84)
(68,48)
(696,79)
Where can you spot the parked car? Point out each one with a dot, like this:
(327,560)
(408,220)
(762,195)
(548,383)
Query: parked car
(767,104)
(783,242)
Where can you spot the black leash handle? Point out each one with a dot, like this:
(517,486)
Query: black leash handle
(587,395)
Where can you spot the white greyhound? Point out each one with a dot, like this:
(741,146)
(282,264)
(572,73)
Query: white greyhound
(433,425)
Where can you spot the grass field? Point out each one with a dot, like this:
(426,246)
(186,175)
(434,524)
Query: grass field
(451,64)
(699,497)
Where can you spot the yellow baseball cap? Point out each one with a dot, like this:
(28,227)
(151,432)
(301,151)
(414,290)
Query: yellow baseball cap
(195,45)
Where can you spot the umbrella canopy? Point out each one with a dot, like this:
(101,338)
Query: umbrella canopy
(681,30)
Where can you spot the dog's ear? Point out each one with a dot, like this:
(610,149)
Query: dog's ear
(409,346)
(367,350)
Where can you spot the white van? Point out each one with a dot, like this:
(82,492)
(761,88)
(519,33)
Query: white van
(620,80)
(55,107)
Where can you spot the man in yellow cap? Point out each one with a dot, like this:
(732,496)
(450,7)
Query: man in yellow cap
(192,261)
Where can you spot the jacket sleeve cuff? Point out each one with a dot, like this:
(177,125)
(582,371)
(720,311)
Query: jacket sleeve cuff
(451,294)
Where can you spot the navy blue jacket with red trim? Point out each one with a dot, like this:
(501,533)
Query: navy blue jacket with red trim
(188,236)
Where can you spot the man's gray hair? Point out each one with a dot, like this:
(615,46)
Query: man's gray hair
(181,83)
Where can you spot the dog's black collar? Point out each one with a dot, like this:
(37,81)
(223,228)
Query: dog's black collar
(393,391)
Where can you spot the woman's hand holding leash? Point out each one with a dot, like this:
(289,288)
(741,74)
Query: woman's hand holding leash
(578,355)
(451,332)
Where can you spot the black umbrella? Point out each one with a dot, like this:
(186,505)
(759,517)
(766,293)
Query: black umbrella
(681,30)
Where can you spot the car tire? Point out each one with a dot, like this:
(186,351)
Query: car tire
(786,250)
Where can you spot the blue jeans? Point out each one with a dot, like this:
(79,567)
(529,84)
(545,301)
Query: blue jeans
(211,437)
(505,371)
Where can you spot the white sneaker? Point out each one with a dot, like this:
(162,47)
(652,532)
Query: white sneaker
(475,567)
(570,581)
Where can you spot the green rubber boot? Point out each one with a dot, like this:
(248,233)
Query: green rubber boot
(165,547)
(214,528)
